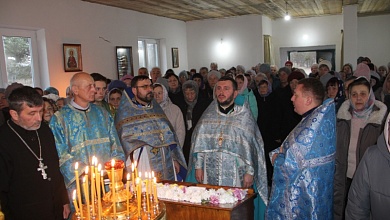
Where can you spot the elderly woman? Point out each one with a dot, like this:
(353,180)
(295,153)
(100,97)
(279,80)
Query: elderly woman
(171,110)
(192,111)
(183,76)
(245,95)
(359,123)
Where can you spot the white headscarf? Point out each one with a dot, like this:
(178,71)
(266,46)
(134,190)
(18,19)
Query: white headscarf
(165,102)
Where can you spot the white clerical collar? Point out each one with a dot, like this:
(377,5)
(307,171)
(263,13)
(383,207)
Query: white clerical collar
(74,104)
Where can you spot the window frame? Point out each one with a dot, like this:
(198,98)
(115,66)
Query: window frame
(32,34)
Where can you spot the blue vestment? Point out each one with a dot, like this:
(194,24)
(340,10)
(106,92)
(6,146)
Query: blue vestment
(148,127)
(302,185)
(232,146)
(79,135)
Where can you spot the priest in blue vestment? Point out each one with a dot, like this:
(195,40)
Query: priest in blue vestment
(227,148)
(147,136)
(302,186)
(83,130)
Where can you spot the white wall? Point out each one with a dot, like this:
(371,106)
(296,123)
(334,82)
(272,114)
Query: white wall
(75,21)
(319,30)
(242,37)
(374,38)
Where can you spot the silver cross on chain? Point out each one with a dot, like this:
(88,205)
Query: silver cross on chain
(42,168)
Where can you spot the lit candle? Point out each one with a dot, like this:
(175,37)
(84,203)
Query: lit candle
(155,190)
(147,190)
(132,177)
(127,193)
(102,183)
(98,191)
(113,185)
(85,182)
(75,202)
(135,168)
(139,185)
(93,193)
(78,189)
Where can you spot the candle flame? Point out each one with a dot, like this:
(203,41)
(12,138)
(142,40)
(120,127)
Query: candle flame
(84,178)
(152,174)
(135,164)
(99,167)
(132,167)
(86,169)
(76,166)
(128,176)
(112,163)
(74,194)
(140,174)
(101,173)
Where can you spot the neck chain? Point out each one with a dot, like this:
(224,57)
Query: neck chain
(41,165)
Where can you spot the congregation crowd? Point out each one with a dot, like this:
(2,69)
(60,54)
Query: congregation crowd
(312,145)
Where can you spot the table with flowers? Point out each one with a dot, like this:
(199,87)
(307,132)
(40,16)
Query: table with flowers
(199,201)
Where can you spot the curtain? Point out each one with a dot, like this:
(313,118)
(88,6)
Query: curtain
(268,50)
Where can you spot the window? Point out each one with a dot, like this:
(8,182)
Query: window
(304,57)
(18,57)
(148,52)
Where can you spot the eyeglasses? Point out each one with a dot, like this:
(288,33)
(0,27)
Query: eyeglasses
(145,86)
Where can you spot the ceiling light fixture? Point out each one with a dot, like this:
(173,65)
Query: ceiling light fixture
(287,16)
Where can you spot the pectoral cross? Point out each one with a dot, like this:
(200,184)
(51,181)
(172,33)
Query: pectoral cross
(42,168)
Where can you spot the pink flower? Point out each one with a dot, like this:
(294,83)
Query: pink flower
(237,193)
(214,199)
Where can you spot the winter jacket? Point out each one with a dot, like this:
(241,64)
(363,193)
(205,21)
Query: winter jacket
(248,96)
(369,195)
(367,137)
(175,116)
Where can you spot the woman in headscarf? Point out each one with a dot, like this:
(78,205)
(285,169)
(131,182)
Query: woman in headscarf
(335,90)
(114,98)
(49,107)
(183,76)
(197,77)
(174,93)
(385,94)
(266,121)
(359,123)
(171,110)
(245,95)
(192,111)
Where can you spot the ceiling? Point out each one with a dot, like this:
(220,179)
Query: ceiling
(190,10)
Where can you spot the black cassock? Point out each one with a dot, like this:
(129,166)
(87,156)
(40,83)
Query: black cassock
(24,194)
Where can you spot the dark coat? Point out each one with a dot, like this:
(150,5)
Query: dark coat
(197,112)
(268,128)
(177,98)
(24,194)
(367,137)
(285,117)
(369,195)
